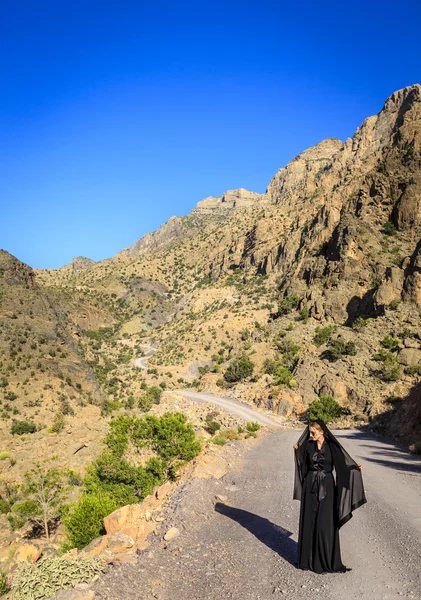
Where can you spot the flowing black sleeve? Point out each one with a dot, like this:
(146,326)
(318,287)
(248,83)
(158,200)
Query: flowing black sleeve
(300,465)
(349,484)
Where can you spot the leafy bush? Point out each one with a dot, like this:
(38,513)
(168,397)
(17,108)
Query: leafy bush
(43,579)
(288,304)
(325,408)
(213,426)
(84,520)
(389,343)
(389,228)
(338,348)
(252,426)
(218,440)
(283,376)
(239,369)
(145,403)
(322,335)
(151,396)
(384,356)
(22,427)
(391,371)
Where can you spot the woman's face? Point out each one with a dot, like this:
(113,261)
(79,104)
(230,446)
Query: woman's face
(315,433)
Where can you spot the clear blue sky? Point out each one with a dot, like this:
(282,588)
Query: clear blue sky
(114,116)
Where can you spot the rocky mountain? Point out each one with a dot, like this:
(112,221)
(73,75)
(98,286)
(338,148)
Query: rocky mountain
(310,290)
(317,281)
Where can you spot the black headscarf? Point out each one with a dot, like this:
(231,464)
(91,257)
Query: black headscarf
(349,481)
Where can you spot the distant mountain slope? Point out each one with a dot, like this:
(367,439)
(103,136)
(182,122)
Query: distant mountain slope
(334,242)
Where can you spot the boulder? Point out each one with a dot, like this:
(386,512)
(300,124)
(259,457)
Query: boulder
(409,356)
(27,552)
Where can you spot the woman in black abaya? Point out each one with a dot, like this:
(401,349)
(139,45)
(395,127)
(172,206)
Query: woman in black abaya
(326,503)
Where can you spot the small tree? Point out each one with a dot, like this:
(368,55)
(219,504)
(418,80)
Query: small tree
(45,486)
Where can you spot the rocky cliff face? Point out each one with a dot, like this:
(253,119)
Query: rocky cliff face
(330,207)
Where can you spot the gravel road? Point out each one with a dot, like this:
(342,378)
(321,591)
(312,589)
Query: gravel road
(244,545)
(232,406)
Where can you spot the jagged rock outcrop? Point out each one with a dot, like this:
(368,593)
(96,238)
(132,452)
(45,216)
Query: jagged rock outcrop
(232,199)
(15,272)
(79,263)
(210,211)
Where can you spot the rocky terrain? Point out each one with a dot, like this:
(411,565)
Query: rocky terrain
(317,282)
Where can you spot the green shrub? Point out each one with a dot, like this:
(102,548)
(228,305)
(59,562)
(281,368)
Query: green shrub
(325,408)
(389,228)
(288,304)
(252,426)
(239,369)
(115,480)
(384,356)
(145,403)
(218,440)
(58,424)
(22,427)
(43,579)
(339,348)
(322,335)
(389,343)
(283,376)
(213,426)
(84,520)
(391,371)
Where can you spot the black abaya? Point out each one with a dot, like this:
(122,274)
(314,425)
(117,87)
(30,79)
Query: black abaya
(327,503)
(318,538)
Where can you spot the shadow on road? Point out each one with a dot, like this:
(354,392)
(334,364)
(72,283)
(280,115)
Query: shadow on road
(273,536)
(389,449)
